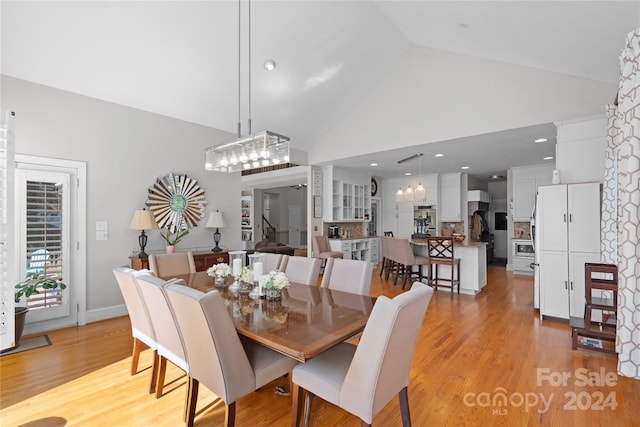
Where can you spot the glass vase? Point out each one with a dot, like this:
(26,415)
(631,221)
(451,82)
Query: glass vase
(273,294)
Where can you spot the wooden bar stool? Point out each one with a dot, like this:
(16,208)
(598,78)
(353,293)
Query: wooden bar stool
(440,250)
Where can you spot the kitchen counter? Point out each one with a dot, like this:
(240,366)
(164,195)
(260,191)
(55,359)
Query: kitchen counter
(463,244)
(473,264)
(354,238)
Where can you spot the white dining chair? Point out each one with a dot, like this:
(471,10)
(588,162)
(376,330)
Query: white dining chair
(170,346)
(227,365)
(363,379)
(348,275)
(141,328)
(300,269)
(165,265)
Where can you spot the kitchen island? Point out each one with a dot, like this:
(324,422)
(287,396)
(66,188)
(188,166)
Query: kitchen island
(473,264)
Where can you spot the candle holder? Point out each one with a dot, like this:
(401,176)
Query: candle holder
(256,263)
(236,258)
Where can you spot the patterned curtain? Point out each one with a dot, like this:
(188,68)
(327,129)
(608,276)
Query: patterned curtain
(627,135)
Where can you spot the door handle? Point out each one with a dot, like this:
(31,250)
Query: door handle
(566,285)
(564,216)
(571,284)
(570,218)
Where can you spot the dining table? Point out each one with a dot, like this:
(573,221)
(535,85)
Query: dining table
(303,323)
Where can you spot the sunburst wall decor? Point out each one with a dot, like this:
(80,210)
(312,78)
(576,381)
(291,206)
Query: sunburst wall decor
(177,202)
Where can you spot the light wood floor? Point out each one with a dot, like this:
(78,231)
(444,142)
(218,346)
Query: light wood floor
(471,351)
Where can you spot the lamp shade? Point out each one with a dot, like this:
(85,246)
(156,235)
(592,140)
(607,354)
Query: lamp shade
(143,220)
(216,220)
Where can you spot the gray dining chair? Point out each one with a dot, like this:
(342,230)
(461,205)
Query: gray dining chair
(141,328)
(165,265)
(322,249)
(226,364)
(300,269)
(363,379)
(348,275)
(170,346)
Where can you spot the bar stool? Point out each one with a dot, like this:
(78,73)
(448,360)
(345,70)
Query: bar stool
(440,250)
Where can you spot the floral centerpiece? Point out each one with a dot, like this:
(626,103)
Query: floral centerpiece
(220,272)
(274,285)
(245,279)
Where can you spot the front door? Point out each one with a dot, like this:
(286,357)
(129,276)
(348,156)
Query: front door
(294,226)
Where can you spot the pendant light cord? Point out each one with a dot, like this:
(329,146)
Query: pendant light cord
(249,31)
(239,56)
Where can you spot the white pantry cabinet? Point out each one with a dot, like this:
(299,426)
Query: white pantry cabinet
(451,197)
(568,223)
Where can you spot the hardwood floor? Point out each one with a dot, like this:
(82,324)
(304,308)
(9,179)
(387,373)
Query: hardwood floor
(472,354)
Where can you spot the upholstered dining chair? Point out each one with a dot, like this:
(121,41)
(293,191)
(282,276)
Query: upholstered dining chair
(348,275)
(401,252)
(227,365)
(440,250)
(322,249)
(141,328)
(273,261)
(387,265)
(363,379)
(303,270)
(165,265)
(168,338)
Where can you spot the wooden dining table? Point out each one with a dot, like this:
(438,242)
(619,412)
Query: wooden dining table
(305,322)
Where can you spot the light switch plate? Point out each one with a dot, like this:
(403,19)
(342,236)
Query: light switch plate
(102,226)
(102,235)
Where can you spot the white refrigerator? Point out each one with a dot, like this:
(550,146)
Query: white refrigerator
(566,236)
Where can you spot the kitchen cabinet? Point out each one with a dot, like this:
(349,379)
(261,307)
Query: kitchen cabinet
(246,212)
(347,195)
(360,249)
(568,223)
(478,196)
(451,197)
(526,181)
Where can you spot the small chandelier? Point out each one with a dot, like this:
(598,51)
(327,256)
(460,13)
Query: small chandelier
(257,150)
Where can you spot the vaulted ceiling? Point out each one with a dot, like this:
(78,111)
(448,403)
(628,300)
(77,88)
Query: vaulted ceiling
(180,58)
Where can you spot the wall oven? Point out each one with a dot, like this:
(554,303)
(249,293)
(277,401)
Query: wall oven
(523,249)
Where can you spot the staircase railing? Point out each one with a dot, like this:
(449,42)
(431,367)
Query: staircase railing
(268,230)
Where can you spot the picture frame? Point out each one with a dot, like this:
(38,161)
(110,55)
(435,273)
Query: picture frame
(317,207)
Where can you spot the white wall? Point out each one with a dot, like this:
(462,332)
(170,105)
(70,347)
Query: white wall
(432,95)
(125,150)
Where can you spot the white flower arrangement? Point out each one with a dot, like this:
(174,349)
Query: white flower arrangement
(246,275)
(277,280)
(219,270)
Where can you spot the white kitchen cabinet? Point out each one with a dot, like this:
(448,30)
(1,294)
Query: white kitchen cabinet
(451,197)
(478,196)
(568,223)
(347,195)
(360,249)
(524,197)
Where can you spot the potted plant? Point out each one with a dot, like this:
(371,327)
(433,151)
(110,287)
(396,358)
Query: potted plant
(32,284)
(172,239)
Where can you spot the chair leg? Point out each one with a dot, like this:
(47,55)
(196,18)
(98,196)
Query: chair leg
(186,400)
(458,278)
(193,400)
(135,355)
(382,265)
(407,272)
(404,408)
(154,372)
(307,407)
(162,369)
(230,415)
(296,404)
(364,424)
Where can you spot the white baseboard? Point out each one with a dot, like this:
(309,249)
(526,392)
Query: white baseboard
(105,313)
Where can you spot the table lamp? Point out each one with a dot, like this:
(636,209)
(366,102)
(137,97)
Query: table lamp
(216,220)
(143,220)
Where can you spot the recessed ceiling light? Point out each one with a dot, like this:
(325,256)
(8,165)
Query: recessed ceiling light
(269,65)
(548,158)
(373,164)
(439,155)
(463,25)
(465,167)
(407,174)
(496,177)
(539,140)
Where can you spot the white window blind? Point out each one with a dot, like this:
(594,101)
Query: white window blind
(7,272)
